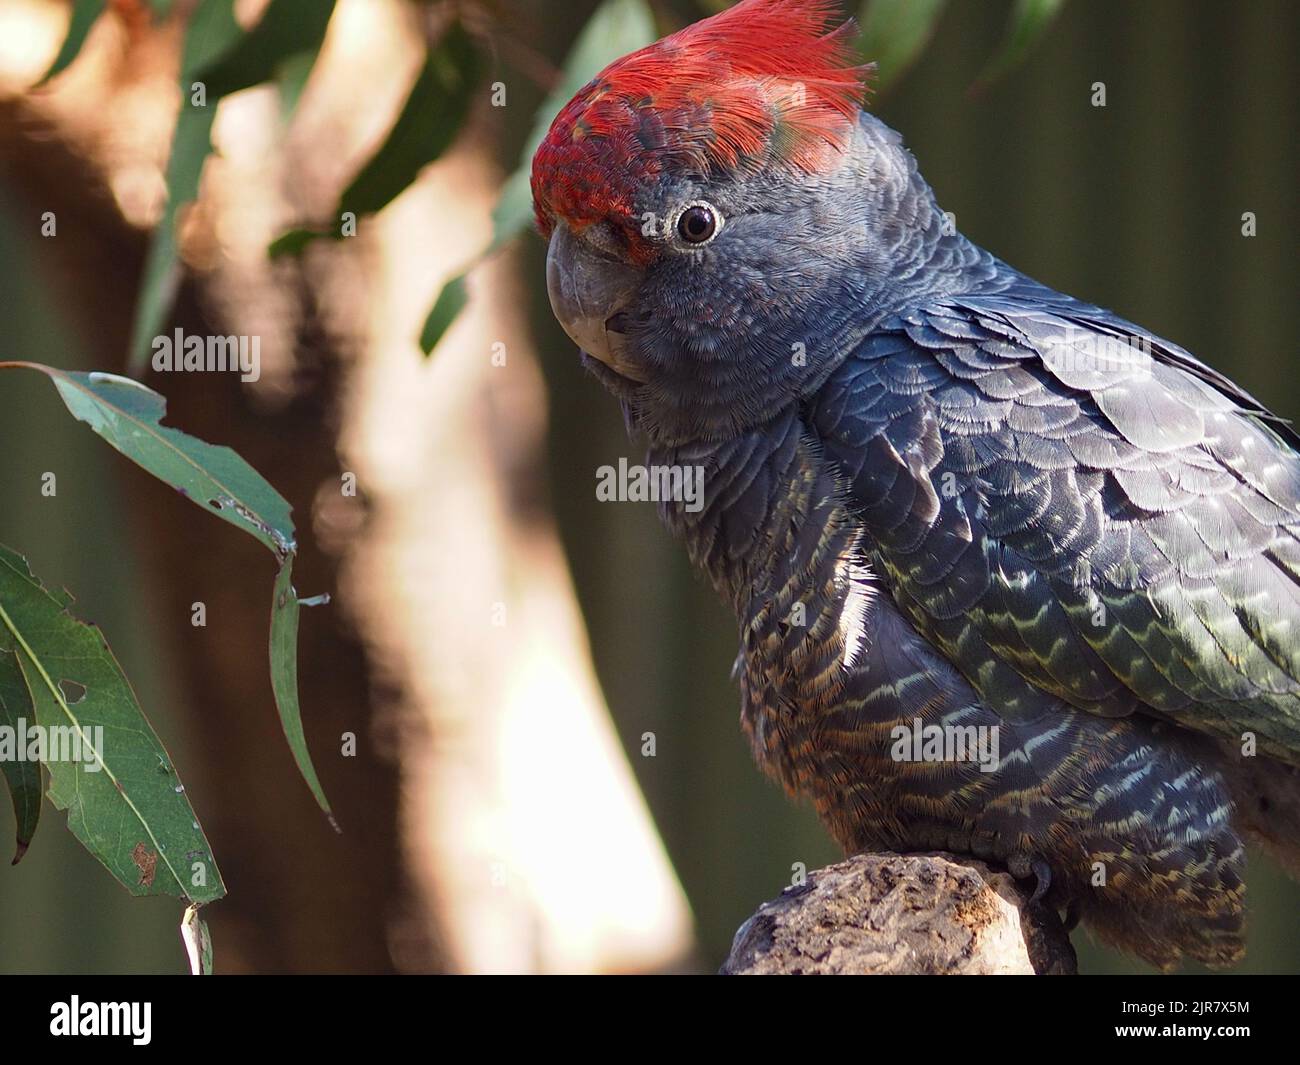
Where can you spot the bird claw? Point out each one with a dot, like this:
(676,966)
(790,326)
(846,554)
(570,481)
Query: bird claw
(1043,879)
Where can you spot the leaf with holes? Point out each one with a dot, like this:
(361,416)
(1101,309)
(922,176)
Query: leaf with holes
(107,768)
(129,416)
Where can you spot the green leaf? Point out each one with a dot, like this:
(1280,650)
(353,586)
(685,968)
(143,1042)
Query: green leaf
(287,28)
(210,33)
(1028,20)
(292,242)
(112,775)
(22,775)
(219,54)
(450,302)
(894,32)
(84,15)
(513,212)
(129,416)
(433,114)
(285,610)
(291,79)
(190,146)
(616,28)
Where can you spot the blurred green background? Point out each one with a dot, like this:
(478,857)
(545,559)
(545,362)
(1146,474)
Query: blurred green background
(1136,206)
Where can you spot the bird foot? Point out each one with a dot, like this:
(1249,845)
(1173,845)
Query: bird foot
(1023,866)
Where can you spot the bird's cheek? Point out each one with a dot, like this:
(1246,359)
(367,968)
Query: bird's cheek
(589,294)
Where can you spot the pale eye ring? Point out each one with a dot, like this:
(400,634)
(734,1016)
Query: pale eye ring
(698,223)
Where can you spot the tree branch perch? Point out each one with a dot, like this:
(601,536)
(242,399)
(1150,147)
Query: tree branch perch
(903,914)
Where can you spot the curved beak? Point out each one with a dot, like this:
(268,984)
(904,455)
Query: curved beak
(588,291)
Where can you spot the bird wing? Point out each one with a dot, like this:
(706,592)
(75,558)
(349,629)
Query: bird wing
(1065,504)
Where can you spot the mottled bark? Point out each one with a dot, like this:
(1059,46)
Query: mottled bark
(917,914)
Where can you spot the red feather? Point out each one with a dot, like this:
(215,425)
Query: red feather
(764,83)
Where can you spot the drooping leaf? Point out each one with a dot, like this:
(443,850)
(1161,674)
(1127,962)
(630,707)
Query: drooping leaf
(291,79)
(293,242)
(107,768)
(84,15)
(129,416)
(894,32)
(190,146)
(211,32)
(433,114)
(616,28)
(451,301)
(285,611)
(513,212)
(219,55)
(22,775)
(287,29)
(1028,20)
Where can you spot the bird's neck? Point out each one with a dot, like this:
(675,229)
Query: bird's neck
(767,525)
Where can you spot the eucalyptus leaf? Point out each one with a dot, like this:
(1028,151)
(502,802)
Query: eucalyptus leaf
(285,611)
(221,58)
(616,28)
(450,302)
(287,29)
(894,32)
(107,767)
(190,146)
(129,416)
(293,241)
(85,13)
(433,114)
(1029,18)
(22,775)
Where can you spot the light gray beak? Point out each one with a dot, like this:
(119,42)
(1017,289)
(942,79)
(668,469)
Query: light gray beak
(587,290)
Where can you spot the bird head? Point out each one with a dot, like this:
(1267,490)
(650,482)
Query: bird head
(717,205)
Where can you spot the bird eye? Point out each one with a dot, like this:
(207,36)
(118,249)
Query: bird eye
(697,224)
